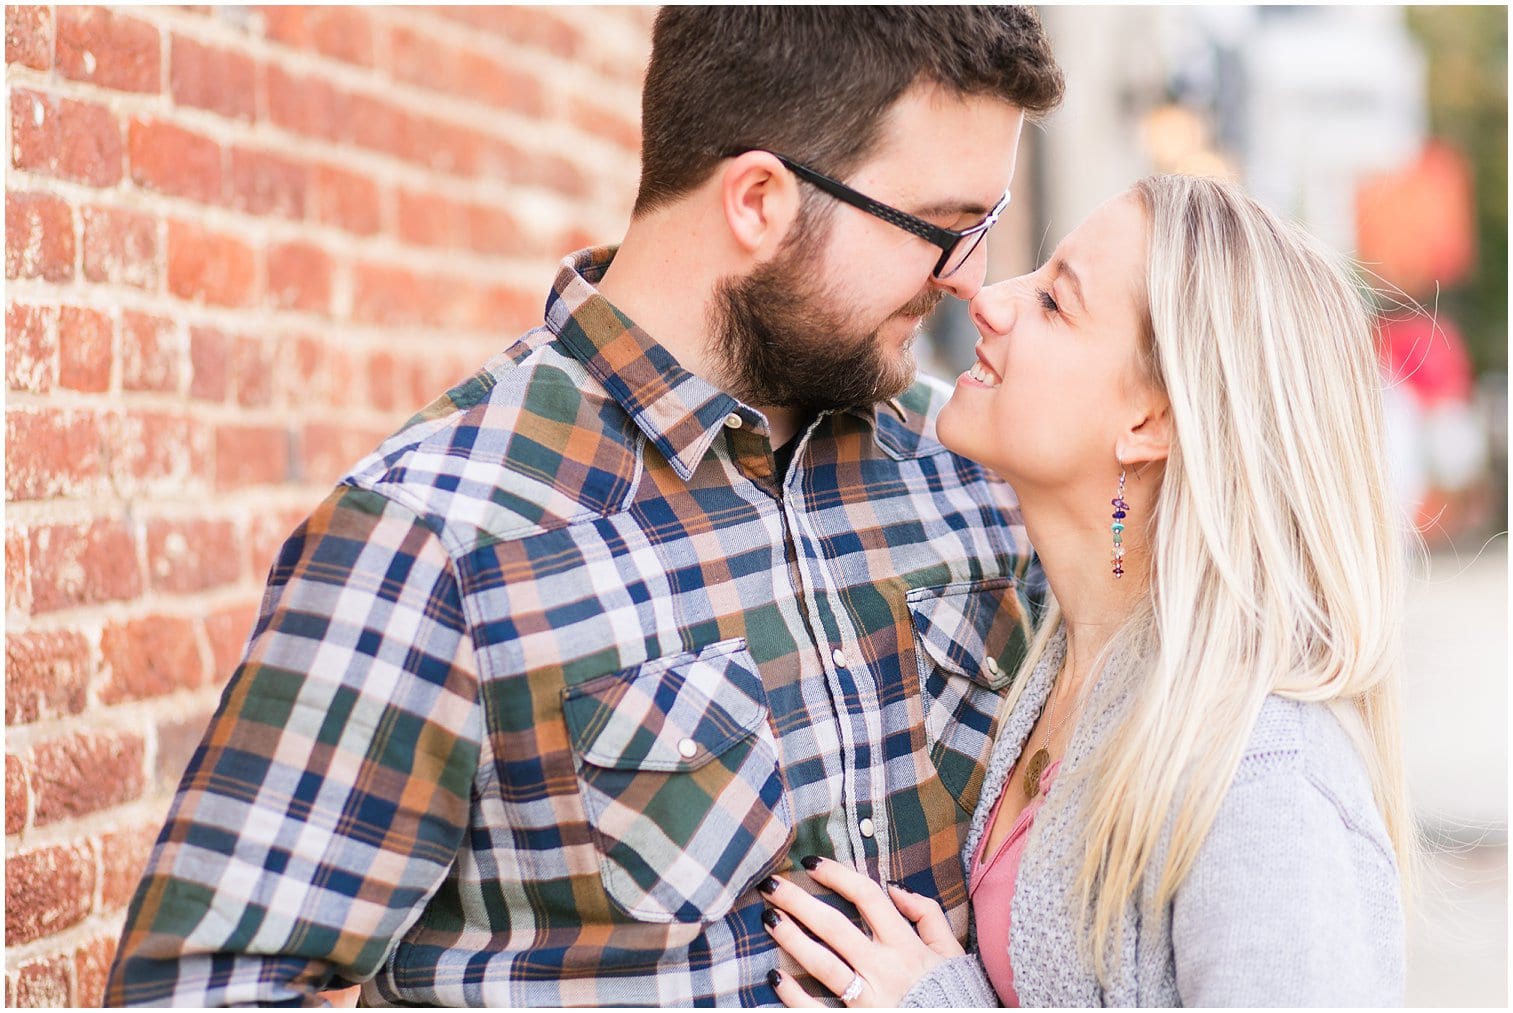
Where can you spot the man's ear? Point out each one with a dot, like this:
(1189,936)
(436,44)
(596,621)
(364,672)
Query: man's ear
(760,199)
(1148,438)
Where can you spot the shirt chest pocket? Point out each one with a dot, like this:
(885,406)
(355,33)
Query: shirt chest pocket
(678,769)
(969,641)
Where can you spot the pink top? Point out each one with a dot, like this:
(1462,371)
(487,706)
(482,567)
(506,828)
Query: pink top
(992,885)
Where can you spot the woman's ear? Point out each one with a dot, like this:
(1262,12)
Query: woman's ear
(760,199)
(1150,437)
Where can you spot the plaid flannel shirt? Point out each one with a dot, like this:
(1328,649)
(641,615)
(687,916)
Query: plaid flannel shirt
(563,669)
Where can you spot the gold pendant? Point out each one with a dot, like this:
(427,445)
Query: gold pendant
(1032,772)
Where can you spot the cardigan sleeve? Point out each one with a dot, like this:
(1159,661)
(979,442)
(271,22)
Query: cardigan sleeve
(1293,900)
(959,983)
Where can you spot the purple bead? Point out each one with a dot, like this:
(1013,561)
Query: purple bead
(1119,515)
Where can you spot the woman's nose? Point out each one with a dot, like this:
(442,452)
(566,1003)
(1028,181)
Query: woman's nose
(994,307)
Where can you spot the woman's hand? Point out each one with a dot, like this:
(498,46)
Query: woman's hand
(910,936)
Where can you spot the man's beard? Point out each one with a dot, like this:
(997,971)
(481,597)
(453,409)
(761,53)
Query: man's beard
(782,341)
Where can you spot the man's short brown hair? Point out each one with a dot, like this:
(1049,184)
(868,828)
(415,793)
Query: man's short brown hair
(815,83)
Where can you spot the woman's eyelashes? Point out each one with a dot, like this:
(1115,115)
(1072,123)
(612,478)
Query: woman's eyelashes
(1047,301)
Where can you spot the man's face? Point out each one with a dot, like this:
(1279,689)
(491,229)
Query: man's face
(830,321)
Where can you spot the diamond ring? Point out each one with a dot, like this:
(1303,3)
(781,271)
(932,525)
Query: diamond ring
(853,990)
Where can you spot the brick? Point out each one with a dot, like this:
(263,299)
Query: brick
(86,349)
(82,564)
(72,140)
(426,219)
(252,364)
(299,277)
(123,856)
(343,33)
(53,453)
(211,267)
(308,105)
(386,295)
(18,573)
(379,126)
(346,200)
(620,130)
(46,891)
(555,173)
(191,555)
(228,628)
(108,49)
(17,794)
(43,981)
(92,969)
(156,454)
(83,773)
(174,161)
(31,348)
(149,657)
(483,79)
(263,184)
(178,737)
(446,147)
(205,77)
(382,381)
(151,354)
(250,455)
(531,27)
(29,36)
(209,364)
(120,247)
(329,451)
(490,230)
(39,237)
(300,373)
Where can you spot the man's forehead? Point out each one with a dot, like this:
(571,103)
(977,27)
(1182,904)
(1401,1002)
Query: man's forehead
(944,152)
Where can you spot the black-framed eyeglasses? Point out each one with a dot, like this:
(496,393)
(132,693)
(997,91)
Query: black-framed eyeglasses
(956,247)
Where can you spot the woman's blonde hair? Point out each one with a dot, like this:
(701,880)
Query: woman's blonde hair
(1277,564)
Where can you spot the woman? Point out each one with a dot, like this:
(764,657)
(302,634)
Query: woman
(1196,796)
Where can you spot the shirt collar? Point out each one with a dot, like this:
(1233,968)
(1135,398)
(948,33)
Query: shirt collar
(680,413)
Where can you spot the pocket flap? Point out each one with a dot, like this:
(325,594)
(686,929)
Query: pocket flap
(972,629)
(671,714)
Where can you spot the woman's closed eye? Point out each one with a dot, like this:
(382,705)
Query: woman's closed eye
(1047,301)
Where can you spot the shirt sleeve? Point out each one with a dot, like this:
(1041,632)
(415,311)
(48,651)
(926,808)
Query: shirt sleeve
(1289,903)
(331,791)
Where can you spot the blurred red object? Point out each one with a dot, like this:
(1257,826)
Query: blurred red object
(1416,226)
(1428,357)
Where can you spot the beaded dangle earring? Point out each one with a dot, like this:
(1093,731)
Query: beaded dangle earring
(1121,511)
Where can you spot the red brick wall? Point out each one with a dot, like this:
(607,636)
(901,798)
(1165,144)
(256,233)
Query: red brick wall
(241,245)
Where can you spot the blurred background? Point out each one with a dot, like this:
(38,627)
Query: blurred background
(1384,131)
(243,243)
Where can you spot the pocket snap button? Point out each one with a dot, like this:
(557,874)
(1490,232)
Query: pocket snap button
(992,666)
(867,828)
(687,748)
(733,421)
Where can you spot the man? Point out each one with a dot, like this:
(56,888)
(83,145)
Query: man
(677,590)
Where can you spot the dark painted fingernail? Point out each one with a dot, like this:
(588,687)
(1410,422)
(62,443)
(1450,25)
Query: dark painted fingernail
(767,885)
(773,977)
(770,918)
(810,862)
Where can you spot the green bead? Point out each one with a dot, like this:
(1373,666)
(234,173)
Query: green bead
(1118,527)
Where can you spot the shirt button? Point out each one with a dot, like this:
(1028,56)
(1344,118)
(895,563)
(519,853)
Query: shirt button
(687,748)
(839,657)
(867,828)
(992,666)
(733,421)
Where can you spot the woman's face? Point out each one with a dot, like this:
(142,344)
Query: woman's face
(1056,379)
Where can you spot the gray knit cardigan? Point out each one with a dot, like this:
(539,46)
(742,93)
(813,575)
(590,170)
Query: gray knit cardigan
(1293,899)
